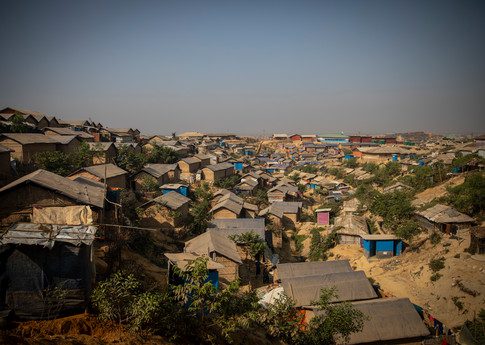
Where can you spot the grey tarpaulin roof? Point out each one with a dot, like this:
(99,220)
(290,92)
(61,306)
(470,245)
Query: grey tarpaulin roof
(172,200)
(213,241)
(46,234)
(279,208)
(304,269)
(233,203)
(350,286)
(158,170)
(68,131)
(235,231)
(219,166)
(388,319)
(182,260)
(239,226)
(238,223)
(99,170)
(82,193)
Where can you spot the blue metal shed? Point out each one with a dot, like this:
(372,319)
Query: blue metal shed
(381,245)
(238,166)
(179,188)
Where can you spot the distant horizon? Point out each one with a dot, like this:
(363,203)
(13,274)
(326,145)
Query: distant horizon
(253,68)
(265,133)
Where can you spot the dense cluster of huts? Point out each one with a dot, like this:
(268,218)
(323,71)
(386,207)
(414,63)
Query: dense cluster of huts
(50,222)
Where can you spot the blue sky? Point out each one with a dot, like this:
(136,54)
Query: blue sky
(249,66)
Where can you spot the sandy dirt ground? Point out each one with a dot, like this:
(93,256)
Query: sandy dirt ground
(439,191)
(409,275)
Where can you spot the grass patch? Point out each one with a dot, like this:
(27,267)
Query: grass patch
(299,242)
(437,264)
(457,302)
(435,238)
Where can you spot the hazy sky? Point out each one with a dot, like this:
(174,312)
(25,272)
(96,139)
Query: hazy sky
(249,66)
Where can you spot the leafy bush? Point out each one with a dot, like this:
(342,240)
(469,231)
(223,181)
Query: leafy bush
(435,276)
(407,230)
(370,167)
(62,163)
(252,241)
(351,163)
(299,243)
(437,264)
(321,244)
(435,238)
(129,160)
(162,155)
(393,207)
(149,184)
(335,320)
(228,182)
(199,212)
(457,302)
(113,298)
(424,177)
(308,168)
(469,197)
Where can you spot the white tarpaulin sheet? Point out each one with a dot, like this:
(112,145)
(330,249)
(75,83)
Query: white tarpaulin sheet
(67,215)
(46,235)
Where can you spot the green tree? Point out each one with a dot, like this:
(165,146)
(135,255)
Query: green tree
(252,241)
(200,210)
(469,197)
(351,163)
(393,207)
(228,182)
(282,320)
(320,245)
(162,155)
(18,124)
(129,160)
(333,320)
(113,297)
(54,161)
(407,230)
(62,163)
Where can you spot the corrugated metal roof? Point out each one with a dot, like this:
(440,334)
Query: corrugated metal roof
(379,237)
(445,214)
(100,169)
(82,193)
(46,234)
